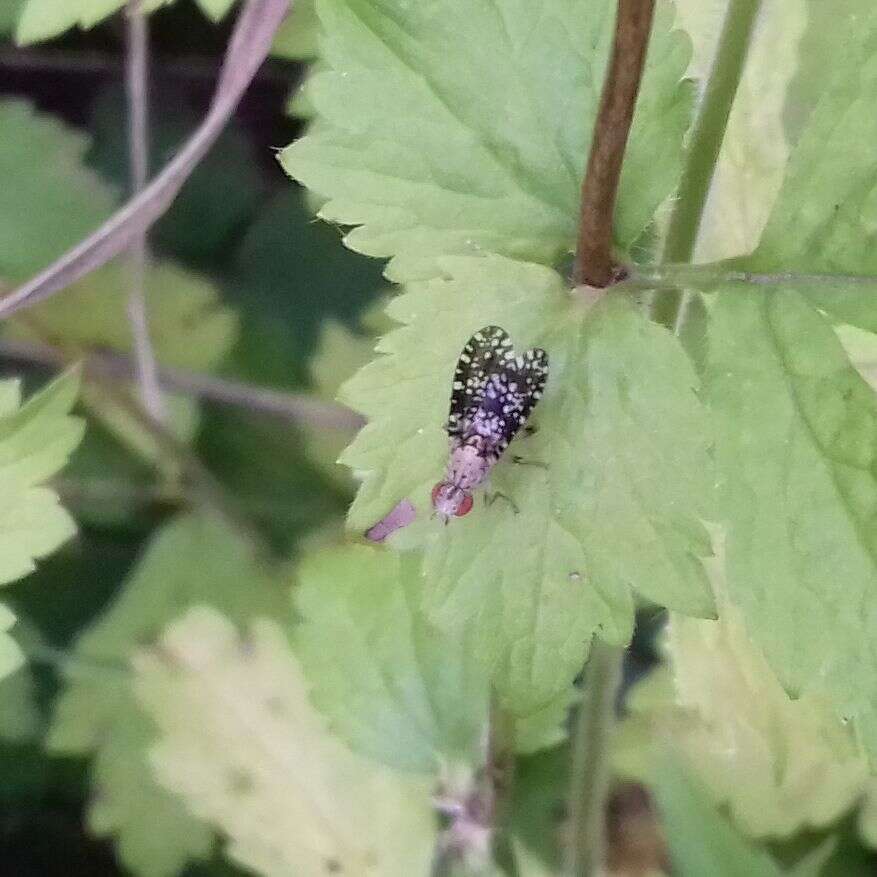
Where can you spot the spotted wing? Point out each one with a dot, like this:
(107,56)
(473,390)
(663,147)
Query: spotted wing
(509,396)
(485,354)
(513,393)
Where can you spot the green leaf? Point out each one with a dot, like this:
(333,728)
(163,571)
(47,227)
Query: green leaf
(155,835)
(44,19)
(701,841)
(750,166)
(23,764)
(36,440)
(823,45)
(11,657)
(395,687)
(50,208)
(192,560)
(9,11)
(54,205)
(291,275)
(340,354)
(796,447)
(189,328)
(241,744)
(297,37)
(45,211)
(215,9)
(615,511)
(861,348)
(780,766)
(825,217)
(538,809)
(463,126)
(20,718)
(528,863)
(50,201)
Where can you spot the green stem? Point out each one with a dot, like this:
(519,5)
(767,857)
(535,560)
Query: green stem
(591,770)
(706,141)
(500,770)
(710,275)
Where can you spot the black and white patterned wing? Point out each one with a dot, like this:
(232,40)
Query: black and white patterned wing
(509,396)
(485,354)
(523,381)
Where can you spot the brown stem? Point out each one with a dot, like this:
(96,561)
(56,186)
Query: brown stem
(593,260)
(110,366)
(137,88)
(94,63)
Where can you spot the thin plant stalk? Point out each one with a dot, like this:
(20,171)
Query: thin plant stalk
(297,408)
(591,764)
(137,89)
(594,268)
(706,140)
(593,264)
(249,45)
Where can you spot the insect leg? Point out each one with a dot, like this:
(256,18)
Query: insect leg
(491,498)
(521,461)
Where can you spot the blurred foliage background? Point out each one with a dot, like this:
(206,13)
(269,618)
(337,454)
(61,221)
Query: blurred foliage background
(245,285)
(241,230)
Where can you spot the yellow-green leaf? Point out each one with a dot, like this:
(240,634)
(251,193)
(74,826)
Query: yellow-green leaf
(246,751)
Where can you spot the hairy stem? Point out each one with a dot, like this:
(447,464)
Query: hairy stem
(477,838)
(591,772)
(593,258)
(703,152)
(137,89)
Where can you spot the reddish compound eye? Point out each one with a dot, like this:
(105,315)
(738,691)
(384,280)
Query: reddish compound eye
(465,506)
(435,492)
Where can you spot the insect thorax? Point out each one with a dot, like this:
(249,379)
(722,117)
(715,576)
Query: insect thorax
(470,461)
